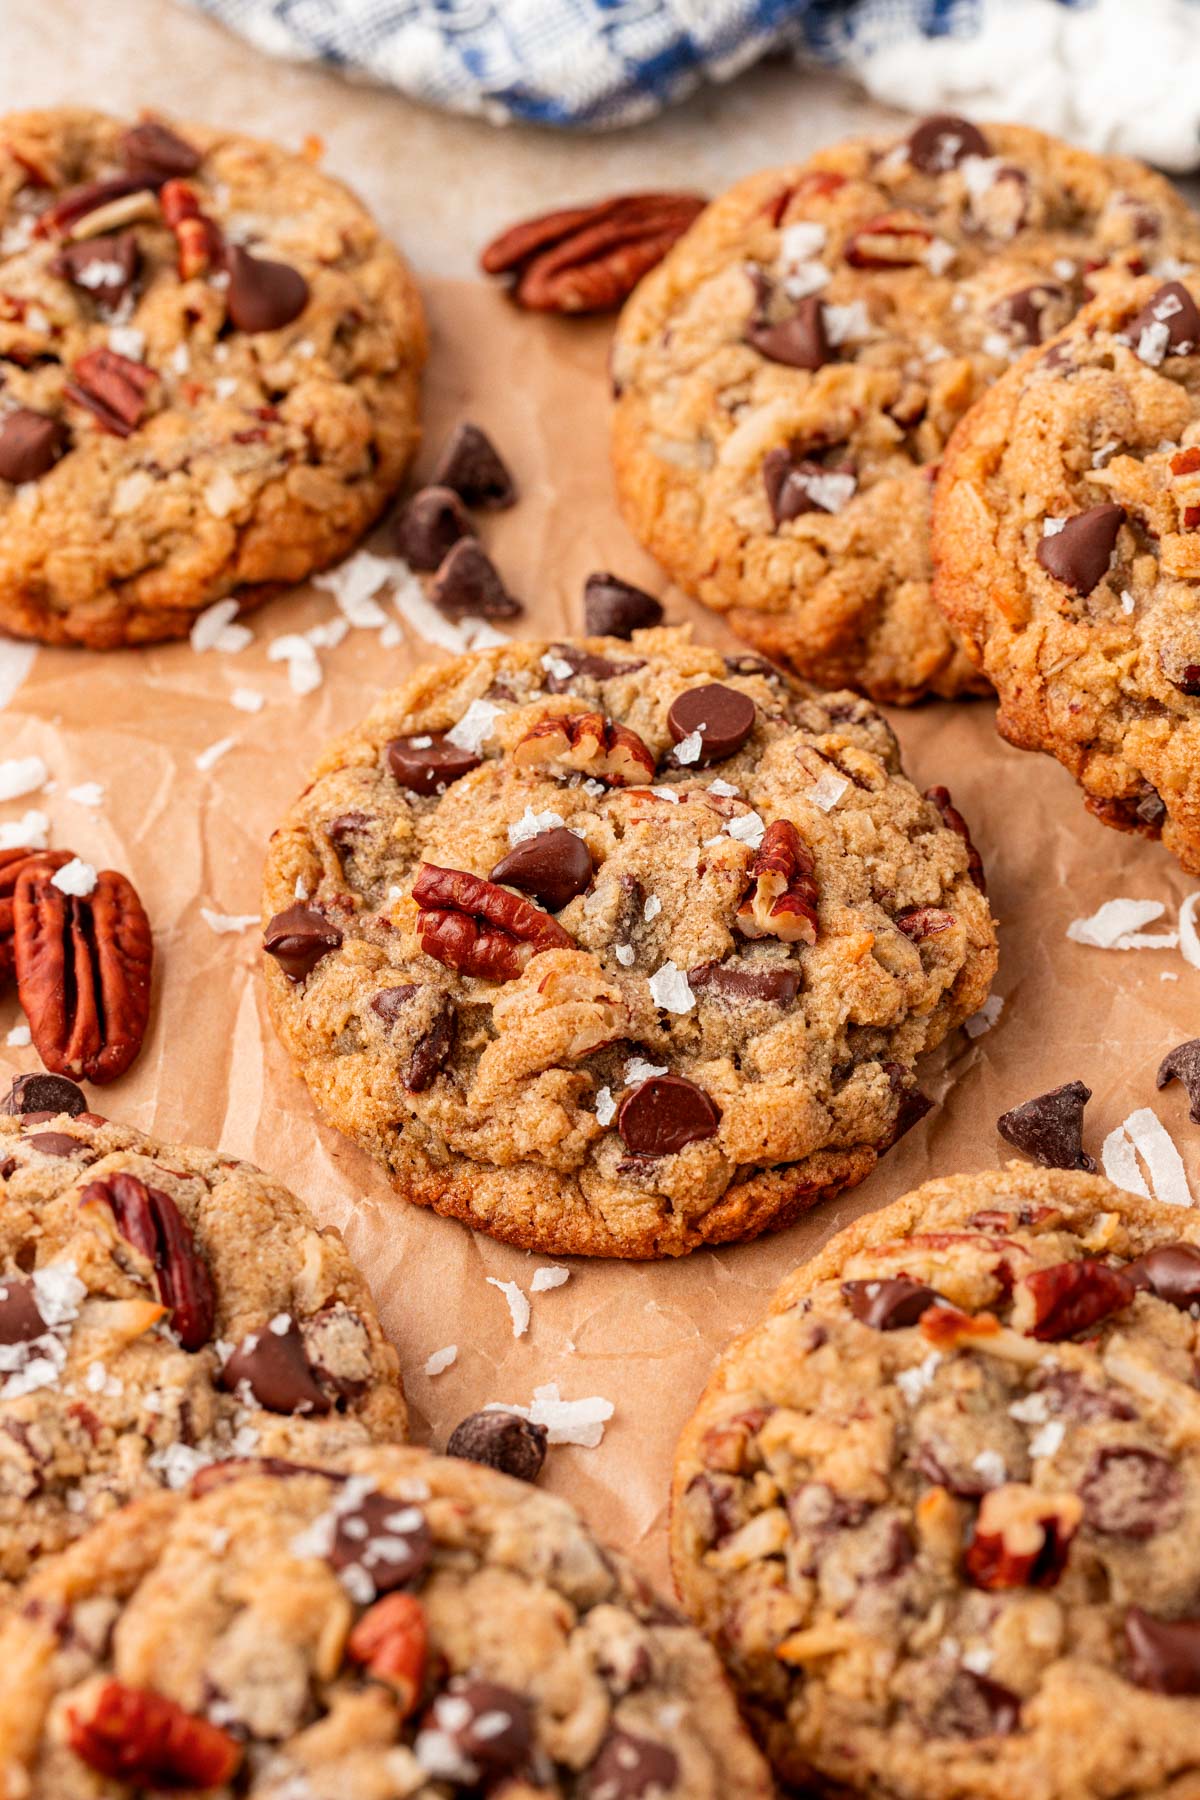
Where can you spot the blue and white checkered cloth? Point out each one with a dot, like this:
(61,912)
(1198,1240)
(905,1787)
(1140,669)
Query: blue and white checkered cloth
(1114,73)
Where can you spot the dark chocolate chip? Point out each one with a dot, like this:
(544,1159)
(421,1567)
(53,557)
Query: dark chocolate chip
(57,1143)
(428,762)
(586,665)
(975,1706)
(789,482)
(347,826)
(799,342)
(911,1104)
(1183,1064)
(430,525)
(48,1094)
(274,1367)
(631,1768)
(105,268)
(1171,1272)
(472,466)
(468,585)
(1131,1493)
(1173,307)
(30,445)
(615,608)
(501,1440)
(1024,312)
(431,1051)
(554,866)
(1080,553)
(778,986)
(1049,1128)
(888,1304)
(723,716)
(953,820)
(1163,1654)
(20,1317)
(263,295)
(662,1114)
(388,1539)
(942,141)
(155,153)
(491,1727)
(298,938)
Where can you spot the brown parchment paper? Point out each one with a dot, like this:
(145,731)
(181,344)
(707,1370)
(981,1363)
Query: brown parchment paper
(212,1073)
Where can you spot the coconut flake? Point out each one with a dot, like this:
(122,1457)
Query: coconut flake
(669,989)
(21,775)
(805,278)
(214,629)
(606,1106)
(1189,938)
(76,877)
(625,954)
(304,670)
(552,1275)
(939,256)
(1116,919)
(1119,1163)
(1152,343)
(668,794)
(637,1069)
(985,1018)
(518,1305)
(475,727)
(247,700)
(221,494)
(1048,1441)
(531,825)
(225,924)
(16,660)
(724,790)
(831,491)
(1164,1165)
(567,1421)
(847,324)
(88,793)
(802,240)
(440,1361)
(30,832)
(208,759)
(354,584)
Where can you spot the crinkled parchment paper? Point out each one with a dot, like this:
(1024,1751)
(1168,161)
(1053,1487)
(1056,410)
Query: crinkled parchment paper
(212,1073)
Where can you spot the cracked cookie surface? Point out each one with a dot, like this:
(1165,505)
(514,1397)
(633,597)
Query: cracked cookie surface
(209,373)
(939,1508)
(1067,530)
(409,1627)
(161,1308)
(789,375)
(618,948)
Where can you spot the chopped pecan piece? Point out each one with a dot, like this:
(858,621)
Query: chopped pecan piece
(726,1445)
(77,202)
(954,821)
(200,243)
(948,1328)
(135,1736)
(391,1643)
(112,388)
(587,744)
(478,928)
(1070,1297)
(892,240)
(781,900)
(150,1221)
(1022,1537)
(920,922)
(589,258)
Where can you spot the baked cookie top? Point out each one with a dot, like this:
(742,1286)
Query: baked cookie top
(616,948)
(162,1308)
(788,377)
(939,1508)
(1067,528)
(404,1627)
(209,365)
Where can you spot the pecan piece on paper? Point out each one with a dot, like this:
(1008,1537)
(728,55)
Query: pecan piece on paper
(781,900)
(134,1735)
(150,1221)
(112,388)
(478,928)
(589,258)
(13,864)
(83,972)
(587,744)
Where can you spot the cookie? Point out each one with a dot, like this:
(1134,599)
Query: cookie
(939,1509)
(162,1308)
(404,1627)
(614,948)
(787,379)
(1067,532)
(209,373)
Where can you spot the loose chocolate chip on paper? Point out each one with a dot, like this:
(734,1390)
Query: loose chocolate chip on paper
(664,1113)
(157,154)
(263,295)
(723,716)
(942,141)
(631,1768)
(1183,1064)
(468,585)
(473,467)
(1049,1128)
(30,445)
(298,938)
(48,1094)
(798,342)
(778,987)
(1080,553)
(615,608)
(105,268)
(427,762)
(274,1366)
(20,1317)
(554,866)
(1171,1272)
(1163,1654)
(1173,307)
(430,525)
(388,1539)
(888,1304)
(501,1440)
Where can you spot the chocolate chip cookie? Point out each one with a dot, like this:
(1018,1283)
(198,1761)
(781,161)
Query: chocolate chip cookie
(616,948)
(788,377)
(400,1627)
(209,368)
(162,1308)
(939,1510)
(1067,531)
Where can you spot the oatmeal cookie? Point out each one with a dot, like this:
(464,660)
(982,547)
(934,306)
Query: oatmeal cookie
(1067,532)
(939,1509)
(788,377)
(400,1627)
(209,373)
(617,948)
(161,1308)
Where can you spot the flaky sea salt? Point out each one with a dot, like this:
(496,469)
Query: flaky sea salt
(606,1106)
(19,1038)
(802,240)
(531,825)
(1048,1441)
(990,1466)
(669,989)
(847,324)
(985,1018)
(638,1069)
(688,749)
(475,727)
(76,877)
(747,828)
(518,1304)
(652,907)
(827,790)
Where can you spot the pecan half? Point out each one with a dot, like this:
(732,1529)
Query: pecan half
(893,240)
(589,258)
(198,238)
(1022,1537)
(77,202)
(953,820)
(587,744)
(150,1221)
(13,864)
(134,1735)
(83,972)
(472,925)
(781,900)
(112,388)
(391,1642)
(1069,1297)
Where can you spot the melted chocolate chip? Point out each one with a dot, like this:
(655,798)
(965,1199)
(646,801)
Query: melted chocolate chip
(491,1727)
(431,1049)
(263,295)
(554,866)
(1173,307)
(472,466)
(347,826)
(104,268)
(48,1094)
(30,445)
(1171,1273)
(501,1440)
(888,1304)
(665,1112)
(778,986)
(1049,1128)
(723,716)
(20,1318)
(631,1768)
(273,1364)
(1183,1064)
(1163,1654)
(1080,553)
(794,485)
(425,764)
(428,528)
(798,342)
(156,154)
(615,608)
(468,585)
(388,1539)
(1025,311)
(975,1706)
(298,938)
(1131,1493)
(942,141)
(57,1143)
(584,664)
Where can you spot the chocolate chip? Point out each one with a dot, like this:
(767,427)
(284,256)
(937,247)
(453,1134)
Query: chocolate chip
(554,866)
(942,141)
(911,1104)
(56,1143)
(427,763)
(347,826)
(1080,553)
(778,987)
(1164,1654)
(298,938)
(30,444)
(631,1768)
(1025,311)
(1183,1064)
(468,585)
(388,1539)
(491,1727)
(1131,1493)
(799,342)
(501,1440)
(1173,307)
(793,485)
(20,1318)
(472,466)
(105,268)
(888,1304)
(615,608)
(1171,1272)
(662,1114)
(584,664)
(49,1094)
(273,1364)
(263,295)
(157,154)
(433,521)
(431,1049)
(1049,1128)
(975,1706)
(723,716)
